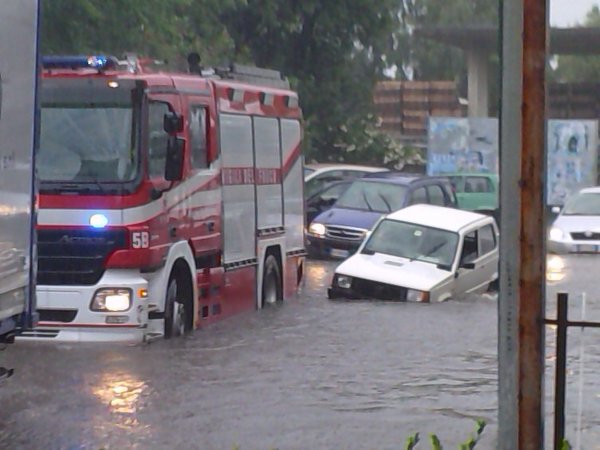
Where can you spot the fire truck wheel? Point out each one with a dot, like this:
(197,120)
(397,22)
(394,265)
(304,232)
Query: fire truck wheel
(177,310)
(272,291)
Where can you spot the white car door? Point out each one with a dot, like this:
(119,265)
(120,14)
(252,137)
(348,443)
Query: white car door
(479,260)
(488,247)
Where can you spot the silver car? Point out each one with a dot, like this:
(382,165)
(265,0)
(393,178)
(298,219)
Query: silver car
(577,227)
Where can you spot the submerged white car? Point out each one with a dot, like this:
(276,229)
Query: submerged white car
(577,227)
(422,253)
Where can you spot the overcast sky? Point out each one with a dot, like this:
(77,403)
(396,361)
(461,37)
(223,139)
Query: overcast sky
(564,13)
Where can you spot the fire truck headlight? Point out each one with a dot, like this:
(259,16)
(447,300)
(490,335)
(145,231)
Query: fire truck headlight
(98,221)
(113,300)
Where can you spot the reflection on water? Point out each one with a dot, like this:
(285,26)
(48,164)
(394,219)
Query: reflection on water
(319,275)
(122,393)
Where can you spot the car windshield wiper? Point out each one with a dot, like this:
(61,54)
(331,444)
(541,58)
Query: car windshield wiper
(97,183)
(364,195)
(387,204)
(70,187)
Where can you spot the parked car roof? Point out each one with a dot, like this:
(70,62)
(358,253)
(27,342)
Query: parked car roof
(401,177)
(472,174)
(319,168)
(437,217)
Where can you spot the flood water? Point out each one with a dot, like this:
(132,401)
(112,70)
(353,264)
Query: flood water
(312,373)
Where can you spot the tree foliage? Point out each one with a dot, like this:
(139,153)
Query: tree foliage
(164,29)
(580,67)
(333,50)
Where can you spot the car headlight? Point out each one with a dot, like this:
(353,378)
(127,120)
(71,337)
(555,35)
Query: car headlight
(318,229)
(343,281)
(412,295)
(111,299)
(556,234)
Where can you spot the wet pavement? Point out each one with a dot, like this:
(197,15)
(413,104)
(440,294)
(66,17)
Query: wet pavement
(312,373)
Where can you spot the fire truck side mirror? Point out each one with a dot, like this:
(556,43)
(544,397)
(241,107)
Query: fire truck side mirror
(174,163)
(172,122)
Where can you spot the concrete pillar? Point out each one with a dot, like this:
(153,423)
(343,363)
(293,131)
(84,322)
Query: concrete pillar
(477,89)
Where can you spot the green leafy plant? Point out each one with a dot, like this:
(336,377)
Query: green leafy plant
(412,441)
(565,445)
(469,444)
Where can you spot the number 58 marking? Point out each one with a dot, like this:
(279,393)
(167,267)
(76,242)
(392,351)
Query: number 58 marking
(140,239)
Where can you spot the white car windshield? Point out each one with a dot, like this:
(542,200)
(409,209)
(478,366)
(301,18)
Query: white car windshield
(583,205)
(373,196)
(415,242)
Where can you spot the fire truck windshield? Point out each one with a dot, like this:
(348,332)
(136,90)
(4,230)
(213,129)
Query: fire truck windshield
(88,134)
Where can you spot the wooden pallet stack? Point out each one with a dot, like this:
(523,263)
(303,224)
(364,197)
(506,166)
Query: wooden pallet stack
(574,100)
(403,106)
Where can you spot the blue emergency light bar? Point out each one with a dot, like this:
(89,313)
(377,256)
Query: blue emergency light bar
(98,62)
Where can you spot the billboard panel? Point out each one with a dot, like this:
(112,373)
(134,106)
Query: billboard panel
(572,158)
(462,145)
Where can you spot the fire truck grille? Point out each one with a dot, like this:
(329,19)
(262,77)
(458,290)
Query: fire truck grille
(75,257)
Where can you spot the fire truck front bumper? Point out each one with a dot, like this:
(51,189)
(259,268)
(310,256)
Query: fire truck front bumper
(113,310)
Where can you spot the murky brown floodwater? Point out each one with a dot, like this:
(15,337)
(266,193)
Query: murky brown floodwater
(310,374)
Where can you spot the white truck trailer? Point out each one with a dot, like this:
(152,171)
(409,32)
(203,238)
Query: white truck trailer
(18,139)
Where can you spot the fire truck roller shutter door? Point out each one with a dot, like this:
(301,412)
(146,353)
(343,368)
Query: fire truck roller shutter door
(269,201)
(293,182)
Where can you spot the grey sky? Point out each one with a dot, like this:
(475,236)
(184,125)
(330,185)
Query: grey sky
(564,13)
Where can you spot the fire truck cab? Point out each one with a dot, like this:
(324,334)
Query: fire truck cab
(167,200)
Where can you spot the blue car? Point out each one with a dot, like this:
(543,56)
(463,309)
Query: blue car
(339,231)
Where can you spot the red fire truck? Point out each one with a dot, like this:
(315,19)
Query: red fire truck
(167,200)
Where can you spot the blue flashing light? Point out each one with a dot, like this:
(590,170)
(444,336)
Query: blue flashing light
(98,62)
(98,221)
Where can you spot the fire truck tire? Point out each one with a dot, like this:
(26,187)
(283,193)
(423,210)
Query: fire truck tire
(272,291)
(177,309)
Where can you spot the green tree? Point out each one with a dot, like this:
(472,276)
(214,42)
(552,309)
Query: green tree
(333,51)
(164,29)
(580,67)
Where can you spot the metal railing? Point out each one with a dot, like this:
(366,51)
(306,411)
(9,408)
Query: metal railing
(562,323)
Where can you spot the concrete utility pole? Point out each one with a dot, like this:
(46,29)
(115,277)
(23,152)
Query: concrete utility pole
(521,306)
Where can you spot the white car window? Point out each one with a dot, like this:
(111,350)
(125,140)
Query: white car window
(583,205)
(487,239)
(470,248)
